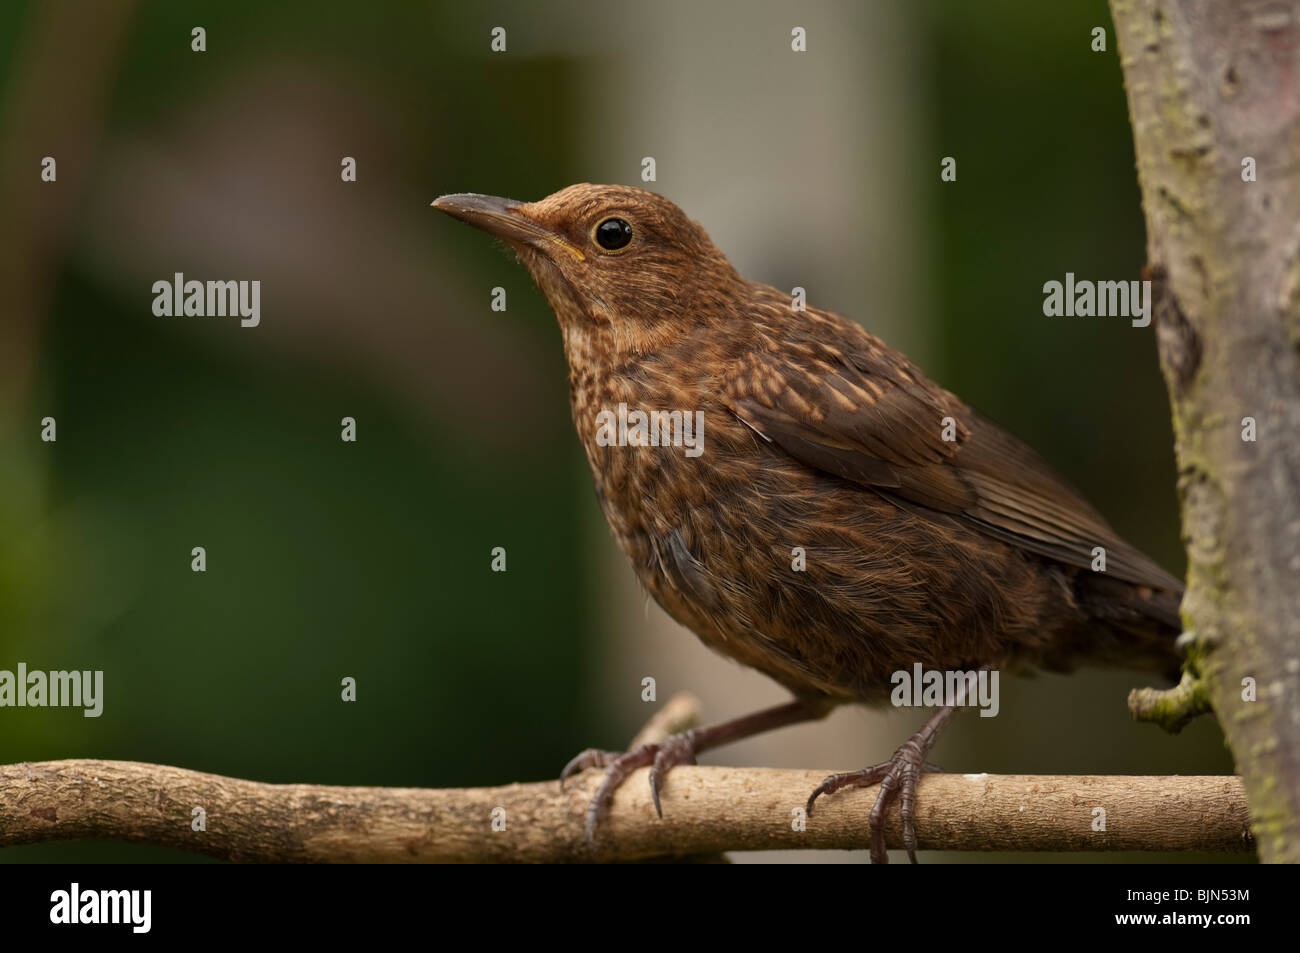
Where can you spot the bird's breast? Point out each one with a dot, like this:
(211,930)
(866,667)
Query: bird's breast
(695,502)
(823,585)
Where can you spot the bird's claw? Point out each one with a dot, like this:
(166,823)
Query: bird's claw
(897,778)
(661,758)
(591,758)
(677,749)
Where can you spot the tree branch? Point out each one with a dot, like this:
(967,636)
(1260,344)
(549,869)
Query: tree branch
(1171,708)
(707,810)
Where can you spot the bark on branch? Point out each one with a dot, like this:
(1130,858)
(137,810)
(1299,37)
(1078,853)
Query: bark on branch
(707,810)
(1214,94)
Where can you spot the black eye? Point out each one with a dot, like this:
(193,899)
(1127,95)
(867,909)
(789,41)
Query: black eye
(613,234)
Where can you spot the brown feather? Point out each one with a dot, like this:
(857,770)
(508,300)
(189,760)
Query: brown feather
(953,554)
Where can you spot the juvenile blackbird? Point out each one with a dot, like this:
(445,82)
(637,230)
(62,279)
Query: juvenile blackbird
(930,535)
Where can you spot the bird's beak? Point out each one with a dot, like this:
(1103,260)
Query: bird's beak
(505,219)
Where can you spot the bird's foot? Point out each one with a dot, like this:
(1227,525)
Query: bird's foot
(661,757)
(897,778)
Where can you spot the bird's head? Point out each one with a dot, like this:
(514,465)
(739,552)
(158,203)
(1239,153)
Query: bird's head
(608,256)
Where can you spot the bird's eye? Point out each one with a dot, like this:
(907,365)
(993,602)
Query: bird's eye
(613,234)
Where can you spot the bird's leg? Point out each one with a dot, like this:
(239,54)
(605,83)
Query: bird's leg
(897,778)
(679,749)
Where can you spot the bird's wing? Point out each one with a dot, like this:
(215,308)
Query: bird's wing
(866,414)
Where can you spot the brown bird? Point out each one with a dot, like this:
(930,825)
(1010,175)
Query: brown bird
(929,534)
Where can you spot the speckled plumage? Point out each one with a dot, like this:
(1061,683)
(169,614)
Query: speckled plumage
(955,553)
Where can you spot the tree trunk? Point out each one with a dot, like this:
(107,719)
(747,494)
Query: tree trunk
(1214,93)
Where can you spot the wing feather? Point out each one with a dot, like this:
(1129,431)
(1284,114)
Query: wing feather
(869,416)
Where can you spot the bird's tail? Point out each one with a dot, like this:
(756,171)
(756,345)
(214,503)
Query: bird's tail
(1127,626)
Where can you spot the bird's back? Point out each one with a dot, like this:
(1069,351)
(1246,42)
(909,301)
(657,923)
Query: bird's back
(928,534)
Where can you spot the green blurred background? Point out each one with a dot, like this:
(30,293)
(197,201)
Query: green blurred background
(371,559)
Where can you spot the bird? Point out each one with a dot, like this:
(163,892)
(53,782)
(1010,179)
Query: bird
(929,534)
